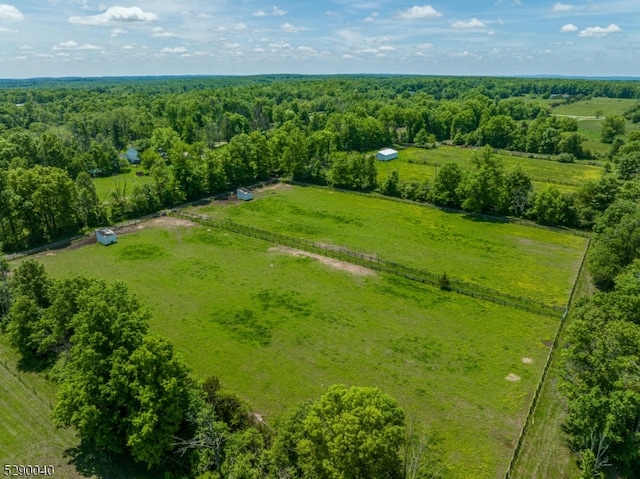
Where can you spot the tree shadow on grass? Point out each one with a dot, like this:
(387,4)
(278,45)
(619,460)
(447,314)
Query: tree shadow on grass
(34,365)
(91,462)
(480,218)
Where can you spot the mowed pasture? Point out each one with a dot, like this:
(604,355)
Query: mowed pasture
(417,164)
(279,328)
(522,260)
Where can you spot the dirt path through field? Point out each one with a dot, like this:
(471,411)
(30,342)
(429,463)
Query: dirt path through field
(333,263)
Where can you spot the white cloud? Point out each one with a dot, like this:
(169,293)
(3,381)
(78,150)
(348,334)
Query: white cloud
(159,32)
(114,15)
(289,28)
(238,27)
(174,50)
(279,45)
(117,31)
(569,27)
(562,7)
(7,30)
(11,13)
(129,47)
(473,23)
(275,12)
(371,18)
(417,12)
(71,45)
(600,31)
(306,49)
(426,46)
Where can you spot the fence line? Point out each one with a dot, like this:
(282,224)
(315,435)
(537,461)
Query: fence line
(373,262)
(545,370)
(503,219)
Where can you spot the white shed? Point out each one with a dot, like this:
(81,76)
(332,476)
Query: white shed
(387,154)
(244,194)
(106,236)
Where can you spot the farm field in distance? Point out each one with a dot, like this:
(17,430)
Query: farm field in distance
(416,164)
(278,329)
(525,261)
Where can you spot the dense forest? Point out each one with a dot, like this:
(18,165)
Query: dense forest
(200,136)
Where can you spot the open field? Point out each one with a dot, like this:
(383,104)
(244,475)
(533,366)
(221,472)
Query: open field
(606,106)
(531,262)
(417,164)
(589,123)
(123,182)
(279,328)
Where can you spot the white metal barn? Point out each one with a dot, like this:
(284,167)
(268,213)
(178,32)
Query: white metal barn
(106,236)
(387,154)
(244,194)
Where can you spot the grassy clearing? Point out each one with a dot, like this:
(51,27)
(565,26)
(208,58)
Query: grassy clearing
(278,329)
(123,182)
(606,106)
(426,163)
(531,262)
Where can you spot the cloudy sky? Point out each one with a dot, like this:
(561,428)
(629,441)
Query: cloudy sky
(457,37)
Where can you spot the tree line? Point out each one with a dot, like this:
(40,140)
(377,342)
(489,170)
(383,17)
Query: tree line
(127,393)
(199,137)
(600,376)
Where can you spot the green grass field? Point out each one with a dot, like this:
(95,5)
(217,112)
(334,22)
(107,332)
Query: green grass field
(589,123)
(513,258)
(278,329)
(416,164)
(123,182)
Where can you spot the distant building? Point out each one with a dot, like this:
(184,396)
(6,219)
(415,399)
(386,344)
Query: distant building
(244,194)
(387,154)
(106,236)
(133,156)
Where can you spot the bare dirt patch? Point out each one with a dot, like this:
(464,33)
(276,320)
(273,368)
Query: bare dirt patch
(333,263)
(527,360)
(275,186)
(513,378)
(168,222)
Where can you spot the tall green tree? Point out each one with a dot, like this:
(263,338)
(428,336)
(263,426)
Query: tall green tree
(352,433)
(483,188)
(612,126)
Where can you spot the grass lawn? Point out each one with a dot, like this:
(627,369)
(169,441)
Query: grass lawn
(426,163)
(531,262)
(278,329)
(123,182)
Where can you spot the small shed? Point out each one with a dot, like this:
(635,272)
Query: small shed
(244,194)
(387,154)
(133,156)
(106,236)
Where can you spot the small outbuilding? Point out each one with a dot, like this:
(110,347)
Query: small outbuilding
(387,154)
(106,236)
(244,194)
(132,156)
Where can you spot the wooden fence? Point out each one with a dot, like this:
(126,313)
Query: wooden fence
(545,371)
(375,263)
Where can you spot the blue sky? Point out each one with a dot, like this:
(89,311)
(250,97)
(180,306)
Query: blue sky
(455,37)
